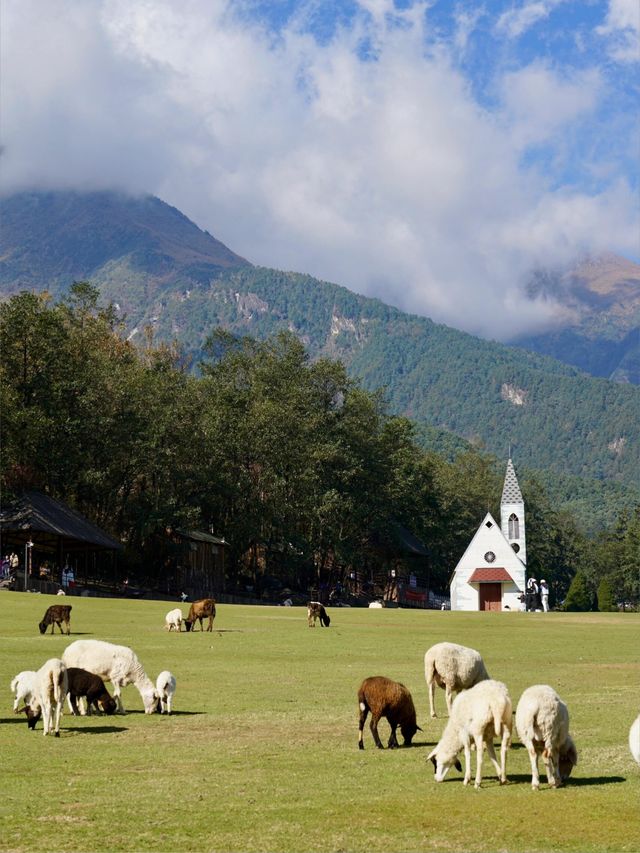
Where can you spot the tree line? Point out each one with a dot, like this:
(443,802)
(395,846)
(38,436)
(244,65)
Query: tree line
(304,472)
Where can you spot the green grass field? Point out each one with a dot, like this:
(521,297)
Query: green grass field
(261,751)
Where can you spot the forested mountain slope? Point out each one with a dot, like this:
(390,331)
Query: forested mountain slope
(162,271)
(139,245)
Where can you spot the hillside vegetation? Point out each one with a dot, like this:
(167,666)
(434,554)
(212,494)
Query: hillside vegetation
(163,274)
(305,473)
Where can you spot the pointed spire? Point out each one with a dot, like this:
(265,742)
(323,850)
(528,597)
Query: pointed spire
(511,493)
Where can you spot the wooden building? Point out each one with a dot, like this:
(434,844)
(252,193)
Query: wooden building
(200,563)
(48,535)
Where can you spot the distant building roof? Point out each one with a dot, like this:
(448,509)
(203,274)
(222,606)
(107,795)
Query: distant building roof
(409,543)
(492,575)
(200,536)
(511,493)
(35,512)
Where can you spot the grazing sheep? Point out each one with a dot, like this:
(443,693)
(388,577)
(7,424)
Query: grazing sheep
(390,699)
(315,610)
(634,739)
(117,664)
(173,620)
(24,687)
(165,688)
(200,610)
(542,722)
(51,688)
(453,667)
(82,683)
(477,716)
(56,615)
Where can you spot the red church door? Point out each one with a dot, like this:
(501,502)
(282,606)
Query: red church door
(490,596)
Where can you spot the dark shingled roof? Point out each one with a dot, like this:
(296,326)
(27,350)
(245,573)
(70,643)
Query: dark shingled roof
(199,536)
(38,513)
(511,493)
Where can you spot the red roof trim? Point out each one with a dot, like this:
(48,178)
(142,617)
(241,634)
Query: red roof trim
(493,575)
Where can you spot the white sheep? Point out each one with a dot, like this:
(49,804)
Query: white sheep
(117,664)
(50,690)
(173,620)
(634,739)
(454,668)
(165,688)
(24,687)
(477,716)
(542,722)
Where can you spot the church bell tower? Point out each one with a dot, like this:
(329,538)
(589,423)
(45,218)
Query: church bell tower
(512,513)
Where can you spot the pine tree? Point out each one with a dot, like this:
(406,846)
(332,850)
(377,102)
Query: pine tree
(579,597)
(606,601)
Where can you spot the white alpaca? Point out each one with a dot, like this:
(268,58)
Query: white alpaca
(24,687)
(173,620)
(117,664)
(165,688)
(51,688)
(634,739)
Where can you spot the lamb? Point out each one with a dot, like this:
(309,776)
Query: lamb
(56,615)
(117,664)
(634,739)
(24,687)
(173,620)
(85,684)
(477,716)
(315,610)
(199,610)
(390,699)
(165,688)
(542,722)
(453,667)
(51,688)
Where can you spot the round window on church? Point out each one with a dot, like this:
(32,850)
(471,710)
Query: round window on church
(489,557)
(516,547)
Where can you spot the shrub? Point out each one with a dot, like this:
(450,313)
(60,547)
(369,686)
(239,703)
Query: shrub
(579,597)
(606,601)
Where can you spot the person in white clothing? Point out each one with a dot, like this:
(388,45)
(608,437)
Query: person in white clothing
(544,593)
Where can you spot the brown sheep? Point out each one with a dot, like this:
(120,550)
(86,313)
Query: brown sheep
(56,615)
(200,610)
(390,699)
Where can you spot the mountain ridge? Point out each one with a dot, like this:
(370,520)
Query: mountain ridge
(491,395)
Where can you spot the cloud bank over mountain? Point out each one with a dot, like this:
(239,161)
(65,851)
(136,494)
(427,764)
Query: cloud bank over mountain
(382,148)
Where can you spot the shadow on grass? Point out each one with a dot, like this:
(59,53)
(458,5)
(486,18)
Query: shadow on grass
(576,782)
(184,714)
(99,730)
(216,631)
(158,714)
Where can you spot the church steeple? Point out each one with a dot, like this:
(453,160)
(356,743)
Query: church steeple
(512,513)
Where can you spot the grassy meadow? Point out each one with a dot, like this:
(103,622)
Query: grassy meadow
(261,751)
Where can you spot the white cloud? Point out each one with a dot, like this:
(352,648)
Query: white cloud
(383,175)
(539,101)
(622,30)
(516,21)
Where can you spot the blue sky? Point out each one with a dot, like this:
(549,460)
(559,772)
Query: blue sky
(432,154)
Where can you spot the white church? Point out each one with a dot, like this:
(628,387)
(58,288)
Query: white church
(491,573)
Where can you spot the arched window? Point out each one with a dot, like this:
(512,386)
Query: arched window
(514,526)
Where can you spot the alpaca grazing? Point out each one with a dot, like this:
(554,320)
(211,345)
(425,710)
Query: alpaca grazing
(315,610)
